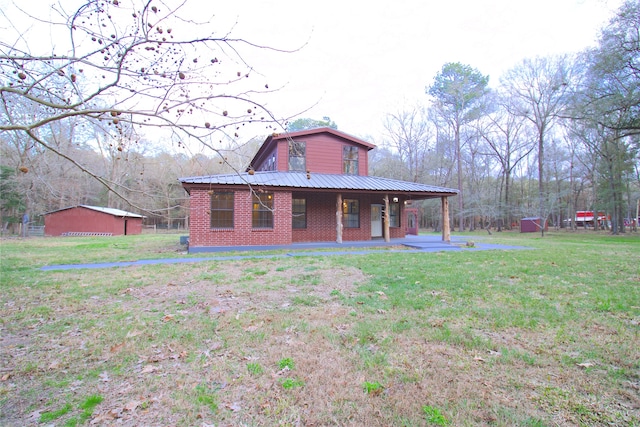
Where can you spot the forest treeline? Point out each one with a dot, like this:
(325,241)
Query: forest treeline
(552,136)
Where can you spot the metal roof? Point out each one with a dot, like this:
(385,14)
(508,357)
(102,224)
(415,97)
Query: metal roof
(299,180)
(113,211)
(110,211)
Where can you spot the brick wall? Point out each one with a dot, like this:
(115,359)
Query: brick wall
(321,220)
(243,233)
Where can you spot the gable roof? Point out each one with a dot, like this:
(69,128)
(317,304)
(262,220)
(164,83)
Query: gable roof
(319,182)
(110,211)
(316,131)
(275,137)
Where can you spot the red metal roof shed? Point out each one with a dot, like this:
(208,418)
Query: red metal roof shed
(84,219)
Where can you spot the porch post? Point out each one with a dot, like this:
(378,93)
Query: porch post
(339,218)
(446,233)
(387,238)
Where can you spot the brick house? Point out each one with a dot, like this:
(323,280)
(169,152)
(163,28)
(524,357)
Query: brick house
(87,220)
(306,186)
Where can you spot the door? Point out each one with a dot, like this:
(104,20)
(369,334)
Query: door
(412,224)
(376,220)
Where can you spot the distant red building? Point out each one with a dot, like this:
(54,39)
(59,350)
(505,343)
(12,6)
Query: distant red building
(532,225)
(306,186)
(85,219)
(587,218)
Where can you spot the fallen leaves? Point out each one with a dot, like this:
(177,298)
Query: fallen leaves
(253,328)
(122,412)
(117,347)
(112,414)
(133,333)
(132,405)
(149,369)
(233,406)
(382,295)
(585,365)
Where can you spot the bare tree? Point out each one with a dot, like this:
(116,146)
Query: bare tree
(541,87)
(410,134)
(507,141)
(139,63)
(606,105)
(458,91)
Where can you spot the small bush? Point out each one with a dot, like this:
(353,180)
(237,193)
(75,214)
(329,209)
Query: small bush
(289,383)
(434,416)
(374,388)
(286,362)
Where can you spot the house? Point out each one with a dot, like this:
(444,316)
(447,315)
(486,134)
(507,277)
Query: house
(305,186)
(91,220)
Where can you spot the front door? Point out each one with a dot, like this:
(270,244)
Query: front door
(412,224)
(376,220)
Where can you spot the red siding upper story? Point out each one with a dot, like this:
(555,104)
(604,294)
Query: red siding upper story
(324,151)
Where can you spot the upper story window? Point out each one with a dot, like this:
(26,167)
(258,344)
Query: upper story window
(221,209)
(297,156)
(269,164)
(350,160)
(262,210)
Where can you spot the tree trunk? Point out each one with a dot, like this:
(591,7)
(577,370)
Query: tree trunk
(541,200)
(387,237)
(459,167)
(339,219)
(446,234)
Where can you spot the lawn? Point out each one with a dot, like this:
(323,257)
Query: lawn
(541,337)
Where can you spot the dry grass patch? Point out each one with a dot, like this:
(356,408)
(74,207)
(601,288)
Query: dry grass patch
(502,339)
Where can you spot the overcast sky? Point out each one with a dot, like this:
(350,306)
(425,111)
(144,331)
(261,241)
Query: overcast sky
(360,60)
(365,59)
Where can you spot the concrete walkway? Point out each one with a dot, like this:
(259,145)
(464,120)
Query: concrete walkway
(409,244)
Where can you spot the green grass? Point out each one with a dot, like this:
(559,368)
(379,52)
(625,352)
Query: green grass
(372,387)
(206,395)
(286,363)
(86,409)
(434,416)
(289,383)
(46,417)
(529,337)
(255,368)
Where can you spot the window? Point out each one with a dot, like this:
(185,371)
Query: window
(221,209)
(350,160)
(262,213)
(350,213)
(297,162)
(269,164)
(299,211)
(394,214)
